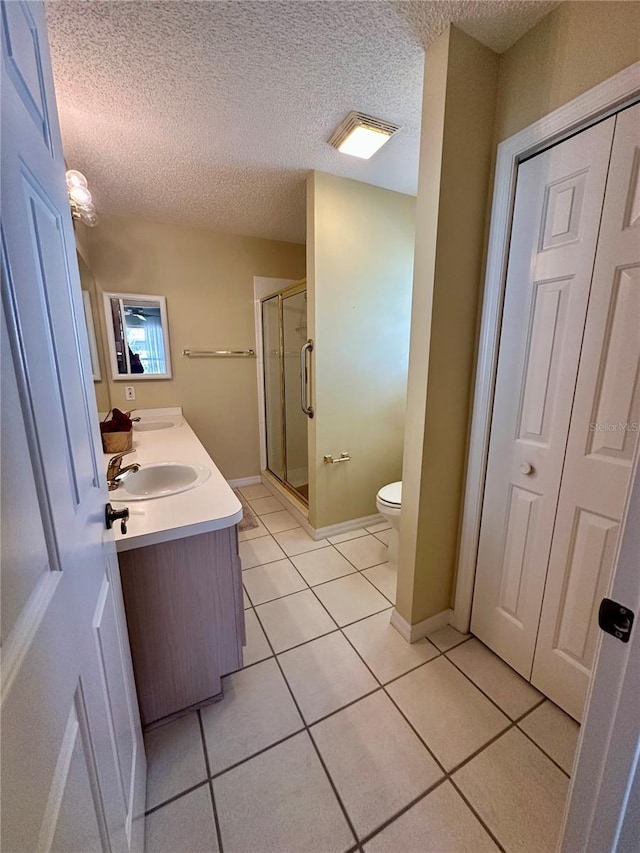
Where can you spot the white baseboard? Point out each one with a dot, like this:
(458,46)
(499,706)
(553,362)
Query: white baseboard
(245,481)
(347,526)
(413,633)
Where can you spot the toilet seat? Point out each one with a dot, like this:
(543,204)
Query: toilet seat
(388,504)
(391,495)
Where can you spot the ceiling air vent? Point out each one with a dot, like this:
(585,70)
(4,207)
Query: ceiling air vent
(361,135)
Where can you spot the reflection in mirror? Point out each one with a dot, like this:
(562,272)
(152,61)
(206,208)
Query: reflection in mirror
(91,331)
(138,335)
(96,338)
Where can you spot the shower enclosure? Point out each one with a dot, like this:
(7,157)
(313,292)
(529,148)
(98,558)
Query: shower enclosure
(286,387)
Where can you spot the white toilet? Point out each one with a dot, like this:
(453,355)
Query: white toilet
(388,503)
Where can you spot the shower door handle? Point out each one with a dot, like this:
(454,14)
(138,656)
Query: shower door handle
(304,378)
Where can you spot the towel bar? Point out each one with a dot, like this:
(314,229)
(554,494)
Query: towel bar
(218,353)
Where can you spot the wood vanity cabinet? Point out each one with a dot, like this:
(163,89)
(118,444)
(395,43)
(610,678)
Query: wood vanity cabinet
(185,615)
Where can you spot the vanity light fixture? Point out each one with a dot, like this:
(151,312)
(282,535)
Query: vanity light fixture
(361,135)
(82,206)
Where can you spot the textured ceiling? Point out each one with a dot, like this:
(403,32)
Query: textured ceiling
(213,113)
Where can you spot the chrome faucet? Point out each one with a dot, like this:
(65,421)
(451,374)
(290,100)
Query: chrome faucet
(115,472)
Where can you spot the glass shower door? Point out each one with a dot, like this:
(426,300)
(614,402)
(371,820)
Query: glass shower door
(294,334)
(284,332)
(272,356)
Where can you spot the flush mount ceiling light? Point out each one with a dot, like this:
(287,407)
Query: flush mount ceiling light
(82,206)
(361,135)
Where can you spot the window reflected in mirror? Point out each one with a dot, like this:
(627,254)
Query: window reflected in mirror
(138,335)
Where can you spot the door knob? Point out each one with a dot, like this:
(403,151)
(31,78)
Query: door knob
(111,515)
(526,468)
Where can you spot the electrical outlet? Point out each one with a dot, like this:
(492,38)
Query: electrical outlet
(129,392)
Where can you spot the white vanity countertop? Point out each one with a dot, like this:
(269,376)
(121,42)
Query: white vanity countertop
(210,506)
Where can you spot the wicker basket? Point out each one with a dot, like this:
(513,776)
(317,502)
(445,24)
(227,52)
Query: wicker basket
(117,442)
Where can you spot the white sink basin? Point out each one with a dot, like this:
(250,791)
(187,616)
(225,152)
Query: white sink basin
(154,424)
(160,480)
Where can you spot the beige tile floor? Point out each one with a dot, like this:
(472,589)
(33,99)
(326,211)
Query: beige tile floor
(337,736)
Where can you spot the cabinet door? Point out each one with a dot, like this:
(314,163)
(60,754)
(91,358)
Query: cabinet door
(602,439)
(183,600)
(558,203)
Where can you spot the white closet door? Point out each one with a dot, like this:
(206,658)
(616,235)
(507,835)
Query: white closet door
(602,438)
(558,204)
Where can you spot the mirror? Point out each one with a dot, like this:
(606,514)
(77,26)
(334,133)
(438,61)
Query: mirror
(91,331)
(91,305)
(138,336)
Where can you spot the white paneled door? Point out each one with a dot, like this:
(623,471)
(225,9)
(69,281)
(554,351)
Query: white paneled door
(73,768)
(602,436)
(559,198)
(565,406)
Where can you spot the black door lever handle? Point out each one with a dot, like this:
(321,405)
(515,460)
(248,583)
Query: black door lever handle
(111,515)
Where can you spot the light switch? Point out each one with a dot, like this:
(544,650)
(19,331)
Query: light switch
(129,392)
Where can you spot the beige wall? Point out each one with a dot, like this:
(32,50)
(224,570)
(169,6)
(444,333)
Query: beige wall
(207,278)
(455,158)
(571,50)
(359,269)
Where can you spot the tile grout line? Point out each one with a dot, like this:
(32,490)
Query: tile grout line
(512,725)
(315,746)
(326,539)
(207,765)
(321,583)
(469,758)
(362,574)
(382,687)
(175,797)
(330,714)
(384,609)
(287,594)
(313,550)
(411,726)
(479,818)
(299,527)
(423,796)
(261,751)
(364,568)
(403,810)
(535,743)
(441,653)
(381,684)
(530,711)
(271,511)
(514,720)
(342,628)
(446,774)
(477,686)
